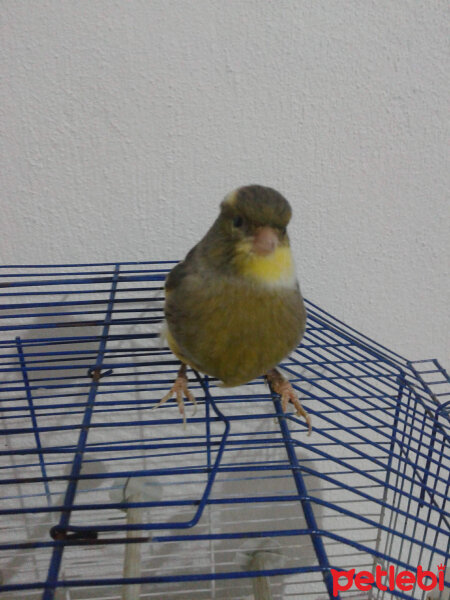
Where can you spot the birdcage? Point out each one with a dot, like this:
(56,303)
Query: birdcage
(103,497)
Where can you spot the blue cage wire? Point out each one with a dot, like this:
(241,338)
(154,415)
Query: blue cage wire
(102,497)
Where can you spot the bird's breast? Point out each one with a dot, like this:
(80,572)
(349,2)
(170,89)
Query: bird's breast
(235,330)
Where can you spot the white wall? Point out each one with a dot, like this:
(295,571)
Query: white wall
(125,123)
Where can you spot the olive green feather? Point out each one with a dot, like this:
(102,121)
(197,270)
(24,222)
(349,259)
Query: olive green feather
(221,322)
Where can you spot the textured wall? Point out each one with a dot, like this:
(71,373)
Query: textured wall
(125,123)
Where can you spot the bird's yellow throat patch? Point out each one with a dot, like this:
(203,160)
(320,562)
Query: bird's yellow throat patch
(275,269)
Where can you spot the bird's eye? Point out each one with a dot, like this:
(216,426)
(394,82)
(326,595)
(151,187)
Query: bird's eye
(283,230)
(238,221)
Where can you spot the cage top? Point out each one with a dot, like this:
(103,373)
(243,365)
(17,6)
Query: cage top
(22,276)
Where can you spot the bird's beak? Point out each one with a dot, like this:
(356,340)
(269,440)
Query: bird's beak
(264,241)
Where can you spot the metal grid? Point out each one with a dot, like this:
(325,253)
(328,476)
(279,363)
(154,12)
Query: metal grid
(242,498)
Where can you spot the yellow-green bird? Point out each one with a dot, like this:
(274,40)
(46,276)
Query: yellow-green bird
(233,306)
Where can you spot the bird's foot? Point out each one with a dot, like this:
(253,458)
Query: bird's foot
(180,389)
(281,386)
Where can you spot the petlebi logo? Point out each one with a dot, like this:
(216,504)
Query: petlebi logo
(389,579)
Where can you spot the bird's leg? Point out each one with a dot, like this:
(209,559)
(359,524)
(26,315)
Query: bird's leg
(281,386)
(179,389)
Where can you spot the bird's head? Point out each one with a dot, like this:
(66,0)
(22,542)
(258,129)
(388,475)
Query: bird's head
(249,238)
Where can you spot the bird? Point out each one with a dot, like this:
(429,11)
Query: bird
(233,307)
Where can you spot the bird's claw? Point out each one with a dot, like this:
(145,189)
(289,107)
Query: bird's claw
(288,394)
(179,389)
(284,389)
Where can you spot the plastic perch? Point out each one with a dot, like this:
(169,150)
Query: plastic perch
(258,555)
(134,489)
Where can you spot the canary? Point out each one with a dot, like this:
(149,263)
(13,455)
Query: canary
(233,306)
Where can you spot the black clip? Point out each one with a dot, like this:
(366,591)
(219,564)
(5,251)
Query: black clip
(96,373)
(60,534)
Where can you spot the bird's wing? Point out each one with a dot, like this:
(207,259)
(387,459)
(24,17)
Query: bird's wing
(175,301)
(179,272)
